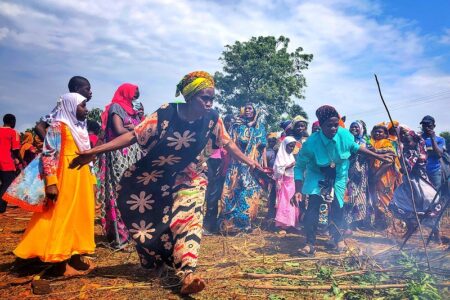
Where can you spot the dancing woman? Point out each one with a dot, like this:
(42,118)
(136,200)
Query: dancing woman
(161,197)
(321,172)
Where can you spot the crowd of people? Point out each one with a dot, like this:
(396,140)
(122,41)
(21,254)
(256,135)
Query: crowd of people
(159,182)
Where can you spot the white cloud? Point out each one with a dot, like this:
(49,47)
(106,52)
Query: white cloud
(3,32)
(445,38)
(153,43)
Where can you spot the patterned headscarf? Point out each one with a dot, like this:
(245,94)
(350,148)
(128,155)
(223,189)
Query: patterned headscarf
(243,120)
(416,155)
(326,112)
(193,83)
(362,136)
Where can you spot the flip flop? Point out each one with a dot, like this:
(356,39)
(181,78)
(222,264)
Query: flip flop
(307,253)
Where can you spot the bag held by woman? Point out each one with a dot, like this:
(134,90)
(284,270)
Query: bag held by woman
(28,189)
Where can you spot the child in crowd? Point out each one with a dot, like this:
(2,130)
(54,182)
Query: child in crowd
(287,211)
(65,229)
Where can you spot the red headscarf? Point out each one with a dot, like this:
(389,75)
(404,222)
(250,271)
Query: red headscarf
(123,96)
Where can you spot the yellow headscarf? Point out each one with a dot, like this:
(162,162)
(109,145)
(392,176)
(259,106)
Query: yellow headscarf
(297,119)
(389,124)
(272,135)
(193,83)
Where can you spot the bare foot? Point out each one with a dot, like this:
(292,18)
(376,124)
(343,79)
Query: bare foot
(192,284)
(71,272)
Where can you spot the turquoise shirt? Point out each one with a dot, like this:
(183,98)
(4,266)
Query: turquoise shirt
(318,151)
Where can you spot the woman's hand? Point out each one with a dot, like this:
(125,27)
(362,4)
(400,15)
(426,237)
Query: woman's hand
(386,157)
(51,192)
(290,165)
(253,164)
(297,198)
(82,159)
(129,127)
(237,153)
(278,184)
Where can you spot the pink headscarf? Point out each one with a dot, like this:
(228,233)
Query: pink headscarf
(124,97)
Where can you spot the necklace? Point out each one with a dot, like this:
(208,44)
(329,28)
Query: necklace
(332,163)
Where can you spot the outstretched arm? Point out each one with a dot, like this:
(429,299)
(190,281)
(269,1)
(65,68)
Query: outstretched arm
(237,153)
(385,157)
(87,156)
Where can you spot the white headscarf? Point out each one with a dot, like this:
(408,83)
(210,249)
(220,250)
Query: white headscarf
(66,112)
(284,159)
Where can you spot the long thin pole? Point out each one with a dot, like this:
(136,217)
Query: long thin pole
(407,175)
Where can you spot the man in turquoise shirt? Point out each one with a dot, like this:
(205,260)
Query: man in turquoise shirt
(321,172)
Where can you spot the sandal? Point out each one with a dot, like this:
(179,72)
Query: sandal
(307,251)
(282,233)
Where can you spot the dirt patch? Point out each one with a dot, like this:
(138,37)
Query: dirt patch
(261,265)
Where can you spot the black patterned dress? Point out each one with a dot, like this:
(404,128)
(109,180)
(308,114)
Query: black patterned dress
(161,197)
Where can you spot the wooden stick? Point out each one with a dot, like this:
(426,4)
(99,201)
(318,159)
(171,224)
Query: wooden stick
(297,277)
(342,287)
(316,258)
(402,157)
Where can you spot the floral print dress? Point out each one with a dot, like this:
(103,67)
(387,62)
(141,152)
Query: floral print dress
(241,192)
(161,197)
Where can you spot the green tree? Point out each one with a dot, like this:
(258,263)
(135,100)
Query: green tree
(262,71)
(95,115)
(446,136)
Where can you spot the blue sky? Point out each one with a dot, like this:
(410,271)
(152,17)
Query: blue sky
(153,43)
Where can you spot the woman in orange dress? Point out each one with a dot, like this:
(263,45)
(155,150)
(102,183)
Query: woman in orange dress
(383,176)
(65,230)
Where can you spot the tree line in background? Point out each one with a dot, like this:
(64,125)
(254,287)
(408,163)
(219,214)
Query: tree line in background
(261,71)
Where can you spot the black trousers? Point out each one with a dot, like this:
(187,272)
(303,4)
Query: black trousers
(271,211)
(213,194)
(311,220)
(6,178)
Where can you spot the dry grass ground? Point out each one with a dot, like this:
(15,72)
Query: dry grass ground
(249,266)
